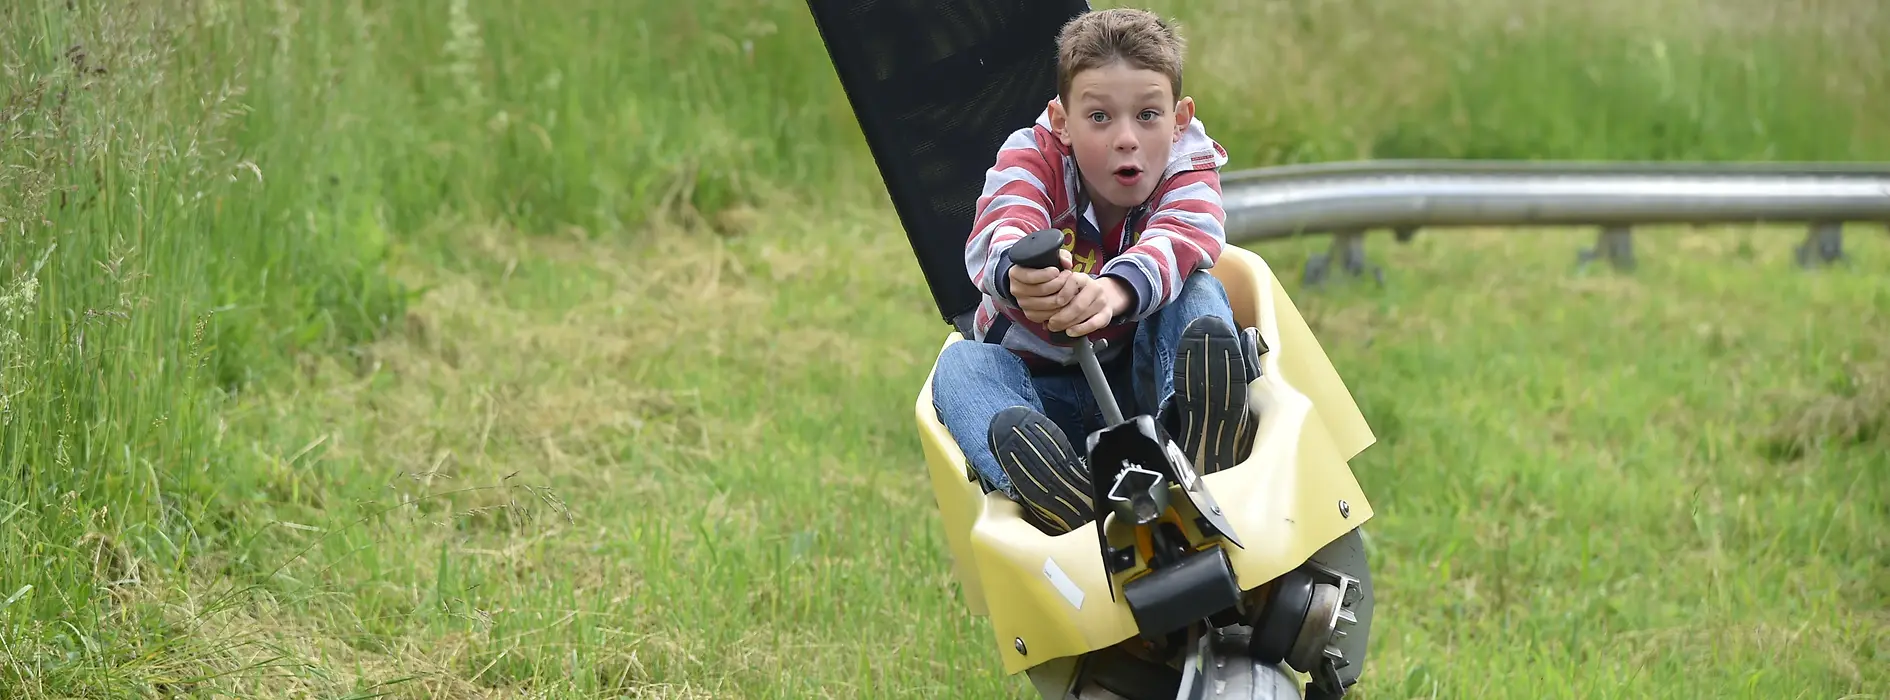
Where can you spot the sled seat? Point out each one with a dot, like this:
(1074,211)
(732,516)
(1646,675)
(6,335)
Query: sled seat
(1048,597)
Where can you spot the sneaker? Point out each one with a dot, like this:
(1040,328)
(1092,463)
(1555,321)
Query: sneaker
(1050,479)
(1212,369)
(1252,346)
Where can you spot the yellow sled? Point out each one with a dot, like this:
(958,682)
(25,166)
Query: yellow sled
(1294,504)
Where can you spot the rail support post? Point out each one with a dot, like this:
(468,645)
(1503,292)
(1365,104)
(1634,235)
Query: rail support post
(1615,243)
(1824,245)
(1348,247)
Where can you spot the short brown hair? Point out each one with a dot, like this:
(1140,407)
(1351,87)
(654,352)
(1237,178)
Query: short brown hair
(1096,39)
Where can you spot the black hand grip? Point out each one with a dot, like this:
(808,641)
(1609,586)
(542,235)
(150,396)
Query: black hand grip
(1040,250)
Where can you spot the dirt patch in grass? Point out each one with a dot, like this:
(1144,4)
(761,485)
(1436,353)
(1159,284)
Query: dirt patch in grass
(1852,411)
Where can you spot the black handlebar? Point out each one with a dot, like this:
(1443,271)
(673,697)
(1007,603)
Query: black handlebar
(1040,250)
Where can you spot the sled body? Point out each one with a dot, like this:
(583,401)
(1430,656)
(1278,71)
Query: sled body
(1050,597)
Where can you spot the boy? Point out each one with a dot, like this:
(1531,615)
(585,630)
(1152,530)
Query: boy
(1118,163)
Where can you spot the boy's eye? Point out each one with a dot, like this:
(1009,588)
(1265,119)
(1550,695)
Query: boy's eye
(1097,117)
(1149,114)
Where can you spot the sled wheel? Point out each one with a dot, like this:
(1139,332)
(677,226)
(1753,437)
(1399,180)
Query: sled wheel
(1231,673)
(1127,676)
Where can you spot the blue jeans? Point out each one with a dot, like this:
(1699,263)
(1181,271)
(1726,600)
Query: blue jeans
(974,381)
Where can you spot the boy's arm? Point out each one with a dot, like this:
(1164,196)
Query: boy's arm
(1015,202)
(1185,233)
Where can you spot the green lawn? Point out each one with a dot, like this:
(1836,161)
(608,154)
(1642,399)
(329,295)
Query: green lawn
(1587,485)
(568,349)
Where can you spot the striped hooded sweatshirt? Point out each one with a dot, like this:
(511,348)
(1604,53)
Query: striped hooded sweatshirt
(1034,186)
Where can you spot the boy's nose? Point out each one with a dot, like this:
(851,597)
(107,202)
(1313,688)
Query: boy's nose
(1125,139)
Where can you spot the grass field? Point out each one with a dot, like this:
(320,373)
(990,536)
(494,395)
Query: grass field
(567,349)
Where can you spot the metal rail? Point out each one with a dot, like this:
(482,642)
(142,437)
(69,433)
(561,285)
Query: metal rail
(1348,198)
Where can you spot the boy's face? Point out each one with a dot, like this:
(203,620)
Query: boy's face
(1121,122)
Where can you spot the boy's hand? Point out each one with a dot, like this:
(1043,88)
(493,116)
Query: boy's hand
(1040,291)
(1098,300)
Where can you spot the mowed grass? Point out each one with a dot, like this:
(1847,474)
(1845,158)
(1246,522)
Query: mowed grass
(1666,485)
(449,349)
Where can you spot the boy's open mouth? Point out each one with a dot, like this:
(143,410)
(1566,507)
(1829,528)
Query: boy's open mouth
(1128,175)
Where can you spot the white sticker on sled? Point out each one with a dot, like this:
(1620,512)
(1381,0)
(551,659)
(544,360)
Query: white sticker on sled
(1063,583)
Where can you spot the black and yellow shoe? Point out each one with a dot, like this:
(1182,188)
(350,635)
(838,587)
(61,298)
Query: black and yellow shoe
(1049,477)
(1213,367)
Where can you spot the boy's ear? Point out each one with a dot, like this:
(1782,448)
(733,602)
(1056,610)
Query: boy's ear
(1184,115)
(1059,122)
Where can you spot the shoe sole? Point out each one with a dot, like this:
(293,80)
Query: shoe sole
(1211,376)
(1043,468)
